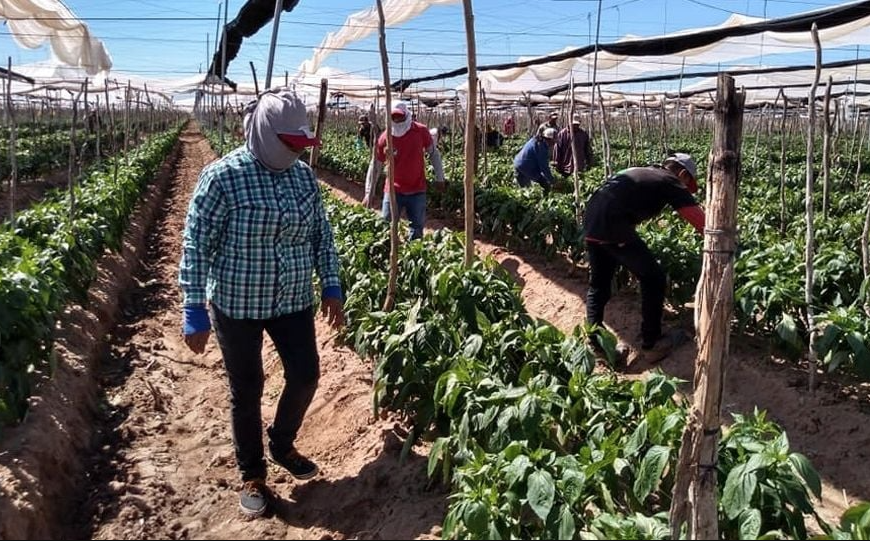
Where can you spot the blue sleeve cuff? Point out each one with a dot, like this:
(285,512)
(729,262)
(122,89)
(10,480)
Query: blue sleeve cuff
(195,319)
(332,292)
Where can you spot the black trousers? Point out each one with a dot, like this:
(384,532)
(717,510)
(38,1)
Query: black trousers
(640,261)
(241,342)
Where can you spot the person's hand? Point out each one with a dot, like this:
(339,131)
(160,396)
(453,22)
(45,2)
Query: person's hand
(196,327)
(333,310)
(197,341)
(365,202)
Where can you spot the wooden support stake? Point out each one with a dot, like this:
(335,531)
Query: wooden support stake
(695,485)
(812,357)
(469,132)
(390,299)
(321,117)
(827,126)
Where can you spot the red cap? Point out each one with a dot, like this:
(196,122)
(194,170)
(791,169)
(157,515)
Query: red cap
(299,140)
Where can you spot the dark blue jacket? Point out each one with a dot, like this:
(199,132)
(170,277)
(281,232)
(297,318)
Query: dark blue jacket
(533,160)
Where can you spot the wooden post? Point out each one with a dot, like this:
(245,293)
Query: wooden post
(578,214)
(695,485)
(469,132)
(632,154)
(390,299)
(321,117)
(826,147)
(13,162)
(605,135)
(453,159)
(808,200)
(782,138)
(483,125)
(72,158)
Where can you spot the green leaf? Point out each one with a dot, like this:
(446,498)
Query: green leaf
(787,331)
(566,523)
(472,346)
(541,493)
(476,518)
(435,455)
(517,469)
(637,440)
(802,466)
(739,489)
(651,469)
(750,524)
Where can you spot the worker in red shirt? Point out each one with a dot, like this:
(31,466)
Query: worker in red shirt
(625,200)
(410,141)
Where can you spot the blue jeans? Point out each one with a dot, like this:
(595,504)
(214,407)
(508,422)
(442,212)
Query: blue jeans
(414,205)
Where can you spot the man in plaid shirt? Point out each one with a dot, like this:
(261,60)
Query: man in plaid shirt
(256,232)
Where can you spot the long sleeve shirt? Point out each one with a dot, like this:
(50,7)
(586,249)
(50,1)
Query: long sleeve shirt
(563,155)
(533,160)
(253,239)
(410,167)
(635,195)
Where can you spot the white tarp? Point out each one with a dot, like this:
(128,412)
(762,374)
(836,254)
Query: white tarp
(32,22)
(364,23)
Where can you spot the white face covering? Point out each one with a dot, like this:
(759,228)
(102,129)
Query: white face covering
(262,124)
(401,128)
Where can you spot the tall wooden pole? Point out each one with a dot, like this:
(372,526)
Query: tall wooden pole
(13,161)
(808,200)
(578,215)
(390,299)
(782,137)
(826,147)
(469,132)
(321,117)
(695,485)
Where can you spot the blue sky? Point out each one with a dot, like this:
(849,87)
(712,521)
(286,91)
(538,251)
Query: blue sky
(167,38)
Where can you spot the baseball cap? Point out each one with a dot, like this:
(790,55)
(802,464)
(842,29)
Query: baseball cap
(285,112)
(554,114)
(399,110)
(575,119)
(550,133)
(685,161)
(363,118)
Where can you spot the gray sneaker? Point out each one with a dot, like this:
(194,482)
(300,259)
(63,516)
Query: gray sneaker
(253,498)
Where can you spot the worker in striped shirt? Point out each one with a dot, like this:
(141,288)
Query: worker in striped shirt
(255,234)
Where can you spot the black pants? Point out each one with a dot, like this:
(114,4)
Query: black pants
(640,261)
(241,342)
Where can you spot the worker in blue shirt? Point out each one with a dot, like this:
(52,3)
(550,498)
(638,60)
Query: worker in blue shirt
(532,162)
(255,234)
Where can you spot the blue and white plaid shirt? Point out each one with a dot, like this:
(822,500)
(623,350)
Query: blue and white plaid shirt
(254,238)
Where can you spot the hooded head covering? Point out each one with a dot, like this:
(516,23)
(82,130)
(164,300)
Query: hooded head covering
(400,128)
(276,124)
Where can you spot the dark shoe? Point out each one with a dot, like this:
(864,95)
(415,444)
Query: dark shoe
(253,498)
(299,467)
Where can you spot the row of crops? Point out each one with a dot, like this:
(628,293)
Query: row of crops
(769,286)
(48,257)
(533,443)
(43,148)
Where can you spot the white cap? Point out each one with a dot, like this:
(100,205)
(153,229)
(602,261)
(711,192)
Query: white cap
(549,133)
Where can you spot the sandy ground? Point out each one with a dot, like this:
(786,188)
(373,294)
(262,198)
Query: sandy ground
(132,439)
